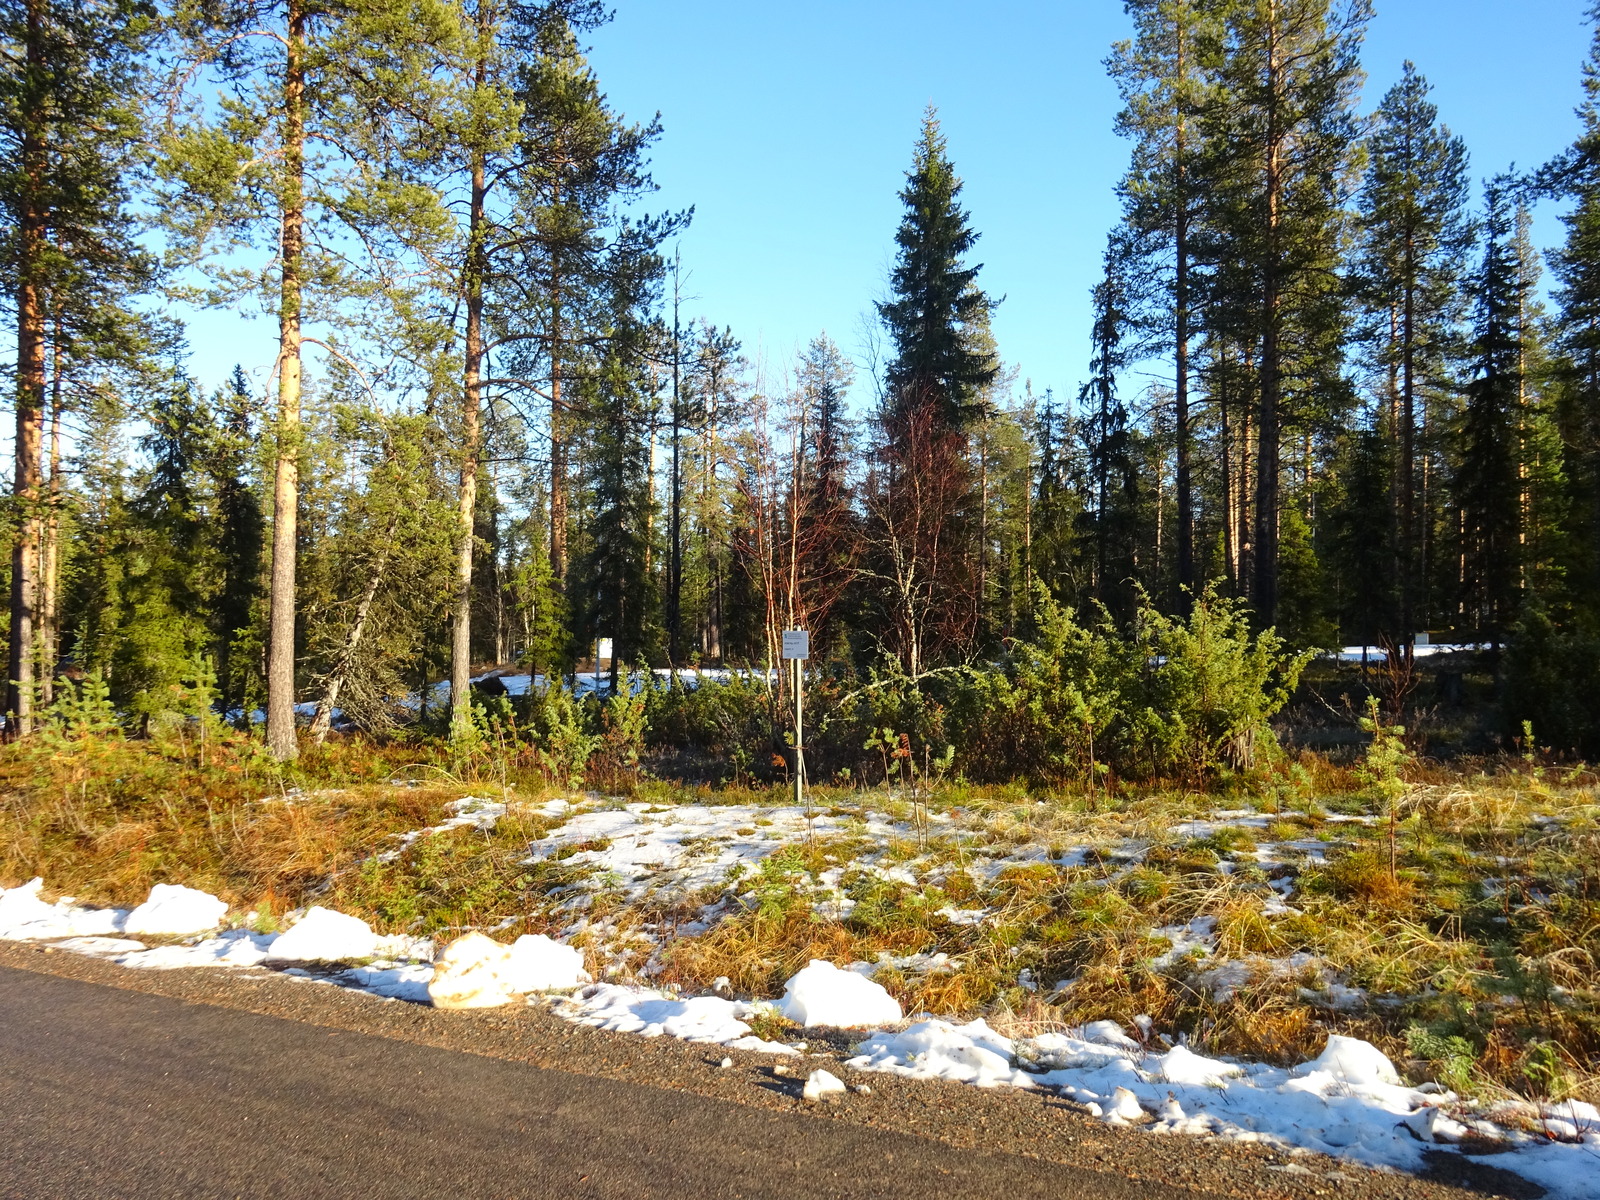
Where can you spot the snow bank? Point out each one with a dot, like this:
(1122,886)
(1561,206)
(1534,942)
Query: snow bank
(1348,1102)
(25,917)
(323,935)
(935,1049)
(536,963)
(822,994)
(235,948)
(476,971)
(656,1014)
(176,911)
(468,974)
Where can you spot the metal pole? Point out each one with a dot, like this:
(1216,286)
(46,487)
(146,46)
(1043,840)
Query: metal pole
(799,752)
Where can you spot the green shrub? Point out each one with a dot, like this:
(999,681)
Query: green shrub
(1170,695)
(1552,673)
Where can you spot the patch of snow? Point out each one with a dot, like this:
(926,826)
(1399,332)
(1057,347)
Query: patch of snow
(1196,937)
(176,911)
(235,948)
(26,917)
(323,935)
(822,1084)
(935,1049)
(822,994)
(536,963)
(660,1014)
(98,947)
(401,982)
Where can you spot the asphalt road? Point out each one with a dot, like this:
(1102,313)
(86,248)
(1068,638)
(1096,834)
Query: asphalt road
(112,1093)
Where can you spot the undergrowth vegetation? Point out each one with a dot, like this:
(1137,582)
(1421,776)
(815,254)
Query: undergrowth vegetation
(1254,902)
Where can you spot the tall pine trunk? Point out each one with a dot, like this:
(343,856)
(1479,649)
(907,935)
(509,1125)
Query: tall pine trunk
(50,555)
(1180,305)
(1408,448)
(1264,589)
(32,234)
(286,482)
(471,408)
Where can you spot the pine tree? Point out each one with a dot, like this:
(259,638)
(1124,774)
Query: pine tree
(70,126)
(1284,132)
(934,295)
(1414,237)
(302,151)
(1166,75)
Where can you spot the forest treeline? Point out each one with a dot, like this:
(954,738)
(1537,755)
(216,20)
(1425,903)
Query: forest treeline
(1365,422)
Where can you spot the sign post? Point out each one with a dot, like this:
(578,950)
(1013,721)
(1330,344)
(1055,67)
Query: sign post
(797,648)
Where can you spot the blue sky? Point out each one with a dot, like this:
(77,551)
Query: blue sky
(789,128)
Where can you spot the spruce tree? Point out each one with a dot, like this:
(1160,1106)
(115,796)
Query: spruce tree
(934,295)
(1487,488)
(1110,523)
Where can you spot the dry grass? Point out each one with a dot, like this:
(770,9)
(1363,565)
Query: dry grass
(1479,950)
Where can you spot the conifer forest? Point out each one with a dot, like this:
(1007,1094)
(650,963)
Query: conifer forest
(1332,398)
(1207,743)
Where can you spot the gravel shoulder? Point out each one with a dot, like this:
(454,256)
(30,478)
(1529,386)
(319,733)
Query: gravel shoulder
(1031,1125)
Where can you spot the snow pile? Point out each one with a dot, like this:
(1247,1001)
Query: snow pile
(477,972)
(1350,1060)
(468,974)
(657,1014)
(176,911)
(234,948)
(822,994)
(323,935)
(25,917)
(935,1049)
(822,1084)
(536,963)
(1348,1102)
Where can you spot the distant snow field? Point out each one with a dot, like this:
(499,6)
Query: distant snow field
(1349,1102)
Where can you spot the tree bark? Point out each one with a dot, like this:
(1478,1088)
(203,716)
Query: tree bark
(1408,450)
(32,234)
(281,738)
(1180,305)
(1264,592)
(50,557)
(471,431)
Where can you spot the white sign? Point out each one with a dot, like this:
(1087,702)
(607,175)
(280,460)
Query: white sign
(796,643)
(603,650)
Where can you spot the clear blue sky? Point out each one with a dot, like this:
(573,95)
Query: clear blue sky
(789,128)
